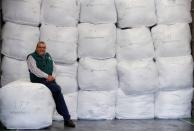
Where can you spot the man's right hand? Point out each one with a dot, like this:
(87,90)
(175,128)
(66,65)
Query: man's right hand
(50,78)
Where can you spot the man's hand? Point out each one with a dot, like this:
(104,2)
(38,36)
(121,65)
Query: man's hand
(50,78)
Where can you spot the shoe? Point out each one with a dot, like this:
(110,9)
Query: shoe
(69,123)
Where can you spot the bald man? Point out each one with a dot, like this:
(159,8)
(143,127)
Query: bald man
(42,70)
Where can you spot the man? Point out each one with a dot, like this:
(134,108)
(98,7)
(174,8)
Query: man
(42,70)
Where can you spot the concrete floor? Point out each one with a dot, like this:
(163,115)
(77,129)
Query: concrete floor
(122,125)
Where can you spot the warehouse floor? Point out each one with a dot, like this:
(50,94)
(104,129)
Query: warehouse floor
(123,125)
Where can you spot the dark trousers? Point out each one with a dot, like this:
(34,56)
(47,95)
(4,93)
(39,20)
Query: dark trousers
(58,98)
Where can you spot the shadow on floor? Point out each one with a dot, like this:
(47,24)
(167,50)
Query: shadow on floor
(121,125)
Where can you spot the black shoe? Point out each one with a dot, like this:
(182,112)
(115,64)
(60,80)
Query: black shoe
(69,123)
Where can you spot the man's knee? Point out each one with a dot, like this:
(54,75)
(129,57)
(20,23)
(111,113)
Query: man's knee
(56,88)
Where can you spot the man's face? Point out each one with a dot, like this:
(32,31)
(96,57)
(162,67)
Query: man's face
(41,49)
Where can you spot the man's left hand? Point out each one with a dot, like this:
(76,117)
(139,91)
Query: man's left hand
(50,78)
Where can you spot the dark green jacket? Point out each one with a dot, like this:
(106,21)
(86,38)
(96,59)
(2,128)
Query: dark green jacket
(44,63)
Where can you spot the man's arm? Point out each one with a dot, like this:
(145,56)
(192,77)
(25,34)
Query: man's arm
(34,69)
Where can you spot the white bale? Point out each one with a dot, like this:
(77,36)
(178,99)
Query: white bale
(97,75)
(134,13)
(97,41)
(138,77)
(134,106)
(98,11)
(61,42)
(60,12)
(22,11)
(13,70)
(19,40)
(22,105)
(71,102)
(173,11)
(175,72)
(96,105)
(66,77)
(174,104)
(134,44)
(172,40)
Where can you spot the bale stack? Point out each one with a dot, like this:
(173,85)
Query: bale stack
(124,59)
(138,78)
(97,74)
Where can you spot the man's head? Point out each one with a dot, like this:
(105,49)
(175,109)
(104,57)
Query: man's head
(41,48)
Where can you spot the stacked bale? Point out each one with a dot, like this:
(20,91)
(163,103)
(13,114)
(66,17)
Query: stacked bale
(171,12)
(22,12)
(135,13)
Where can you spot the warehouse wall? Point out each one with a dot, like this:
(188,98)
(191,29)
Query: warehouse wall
(192,45)
(0,35)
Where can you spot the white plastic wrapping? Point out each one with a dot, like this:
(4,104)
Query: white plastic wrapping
(98,11)
(66,77)
(60,12)
(22,11)
(174,104)
(22,105)
(71,102)
(97,75)
(13,70)
(172,40)
(138,77)
(97,41)
(134,106)
(19,40)
(173,11)
(96,105)
(61,42)
(175,72)
(134,13)
(134,44)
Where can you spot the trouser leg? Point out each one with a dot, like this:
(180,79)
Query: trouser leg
(59,100)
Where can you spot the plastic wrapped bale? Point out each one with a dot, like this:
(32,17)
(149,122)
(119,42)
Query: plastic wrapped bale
(22,105)
(134,13)
(60,12)
(138,77)
(172,40)
(134,44)
(13,70)
(173,11)
(173,104)
(71,102)
(134,106)
(61,42)
(66,77)
(96,105)
(22,11)
(175,72)
(98,11)
(19,40)
(97,41)
(97,75)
